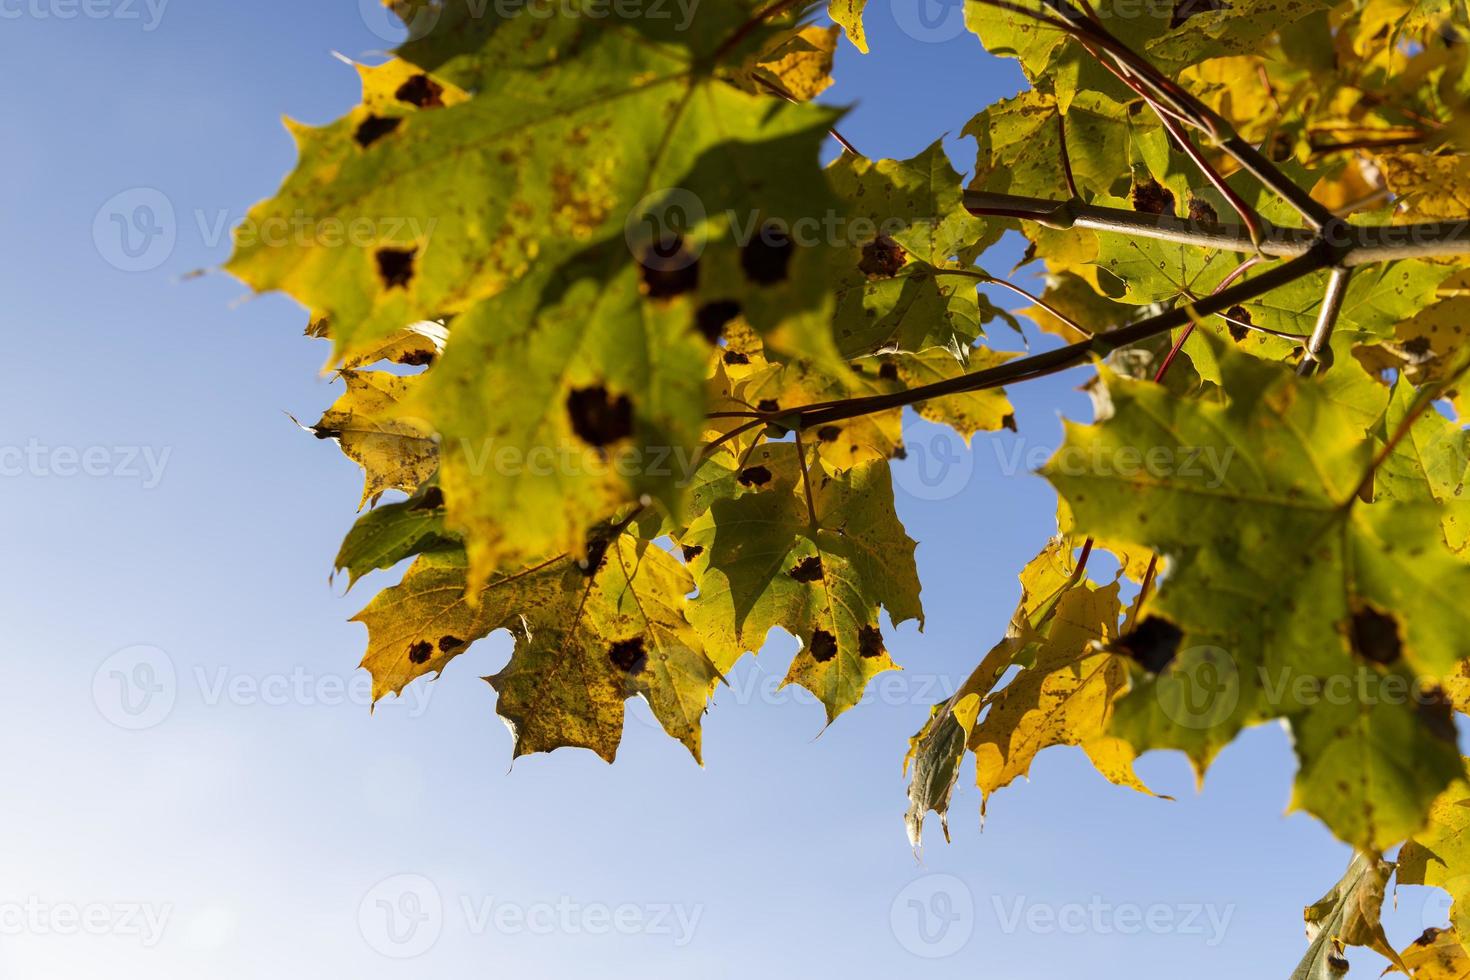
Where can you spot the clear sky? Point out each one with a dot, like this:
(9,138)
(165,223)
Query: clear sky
(192,783)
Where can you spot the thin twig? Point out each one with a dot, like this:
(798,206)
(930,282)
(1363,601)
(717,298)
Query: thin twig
(1041,304)
(1066,158)
(806,483)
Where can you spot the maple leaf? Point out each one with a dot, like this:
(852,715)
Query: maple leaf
(1301,584)
(588,635)
(761,563)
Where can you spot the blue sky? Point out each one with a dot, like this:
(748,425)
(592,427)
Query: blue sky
(171,528)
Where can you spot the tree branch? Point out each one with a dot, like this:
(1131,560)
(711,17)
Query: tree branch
(1041,365)
(1355,244)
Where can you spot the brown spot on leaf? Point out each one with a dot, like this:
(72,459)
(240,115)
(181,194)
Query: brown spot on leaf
(448,643)
(1008,421)
(1239,319)
(599,419)
(1185,9)
(396,266)
(667,269)
(692,551)
(374,128)
(1151,197)
(829,433)
(711,318)
(768,405)
(888,371)
(1202,210)
(1416,347)
(870,642)
(416,358)
(882,258)
(755,476)
(735,357)
(420,652)
(1153,643)
(808,570)
(766,259)
(823,646)
(421,91)
(629,655)
(597,542)
(1375,636)
(1437,714)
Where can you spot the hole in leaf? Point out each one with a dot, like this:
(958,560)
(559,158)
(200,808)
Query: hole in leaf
(629,655)
(599,419)
(1375,636)
(420,652)
(882,258)
(766,259)
(755,476)
(395,266)
(1153,643)
(421,91)
(711,318)
(823,646)
(374,128)
(809,569)
(870,642)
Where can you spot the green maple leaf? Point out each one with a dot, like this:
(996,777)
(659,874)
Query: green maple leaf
(588,635)
(621,126)
(387,535)
(1429,465)
(1283,588)
(760,564)
(897,288)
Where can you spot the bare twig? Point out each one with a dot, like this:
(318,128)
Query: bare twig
(1337,285)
